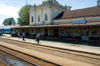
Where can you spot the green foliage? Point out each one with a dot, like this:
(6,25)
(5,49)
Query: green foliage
(9,21)
(41,60)
(23,18)
(70,6)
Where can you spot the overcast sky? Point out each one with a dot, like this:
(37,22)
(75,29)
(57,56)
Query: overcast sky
(10,8)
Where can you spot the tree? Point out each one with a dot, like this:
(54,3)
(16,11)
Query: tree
(9,21)
(23,18)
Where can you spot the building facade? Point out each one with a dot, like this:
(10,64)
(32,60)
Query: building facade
(56,22)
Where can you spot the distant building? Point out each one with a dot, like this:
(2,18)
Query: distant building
(54,20)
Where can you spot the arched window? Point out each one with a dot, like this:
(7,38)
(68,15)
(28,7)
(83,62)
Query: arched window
(32,19)
(38,18)
(46,17)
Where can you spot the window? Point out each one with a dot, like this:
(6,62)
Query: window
(39,30)
(69,28)
(17,30)
(85,28)
(32,19)
(46,17)
(94,32)
(38,18)
(32,31)
(87,33)
(69,31)
(82,33)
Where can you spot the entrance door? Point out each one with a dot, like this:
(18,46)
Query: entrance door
(46,32)
(56,32)
(85,35)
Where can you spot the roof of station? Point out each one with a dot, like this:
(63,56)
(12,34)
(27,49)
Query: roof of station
(87,12)
(61,25)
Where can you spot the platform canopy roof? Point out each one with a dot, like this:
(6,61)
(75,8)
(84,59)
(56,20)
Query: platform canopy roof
(61,25)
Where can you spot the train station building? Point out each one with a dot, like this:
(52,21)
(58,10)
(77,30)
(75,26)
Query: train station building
(57,22)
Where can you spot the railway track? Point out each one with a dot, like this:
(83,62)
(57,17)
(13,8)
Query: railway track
(88,57)
(28,59)
(7,57)
(3,63)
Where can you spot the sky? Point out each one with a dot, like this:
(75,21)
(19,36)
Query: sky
(10,8)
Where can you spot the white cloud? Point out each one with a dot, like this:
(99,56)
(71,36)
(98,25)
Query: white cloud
(5,2)
(22,3)
(1,22)
(1,1)
(7,11)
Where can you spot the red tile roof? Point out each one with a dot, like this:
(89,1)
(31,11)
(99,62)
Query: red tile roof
(93,11)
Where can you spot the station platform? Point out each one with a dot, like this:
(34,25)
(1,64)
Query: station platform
(86,48)
(49,57)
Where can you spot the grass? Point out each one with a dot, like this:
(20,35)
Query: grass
(98,58)
(76,45)
(41,60)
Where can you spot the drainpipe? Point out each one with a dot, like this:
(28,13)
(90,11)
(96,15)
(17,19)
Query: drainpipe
(42,15)
(36,31)
(99,35)
(59,32)
(35,16)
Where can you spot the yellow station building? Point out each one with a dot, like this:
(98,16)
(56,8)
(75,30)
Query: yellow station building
(57,22)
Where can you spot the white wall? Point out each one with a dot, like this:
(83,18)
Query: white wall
(55,12)
(92,18)
(67,21)
(52,12)
(32,14)
(42,13)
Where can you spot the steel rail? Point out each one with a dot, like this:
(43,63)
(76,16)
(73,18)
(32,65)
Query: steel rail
(30,55)
(4,62)
(19,58)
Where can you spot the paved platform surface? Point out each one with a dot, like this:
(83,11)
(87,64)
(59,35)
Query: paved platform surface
(79,47)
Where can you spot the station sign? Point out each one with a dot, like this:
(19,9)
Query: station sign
(79,22)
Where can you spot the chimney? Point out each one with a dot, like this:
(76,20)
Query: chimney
(98,3)
(68,8)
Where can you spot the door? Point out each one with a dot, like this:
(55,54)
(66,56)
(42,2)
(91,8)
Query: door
(56,32)
(46,32)
(85,35)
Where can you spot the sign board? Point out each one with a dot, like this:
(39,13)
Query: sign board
(79,22)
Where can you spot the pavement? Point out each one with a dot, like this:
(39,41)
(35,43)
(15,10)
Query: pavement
(52,58)
(86,48)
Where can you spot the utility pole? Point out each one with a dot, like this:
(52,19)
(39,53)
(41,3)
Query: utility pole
(26,2)
(27,8)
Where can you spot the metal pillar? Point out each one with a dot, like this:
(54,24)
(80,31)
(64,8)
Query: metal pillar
(99,35)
